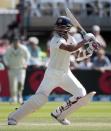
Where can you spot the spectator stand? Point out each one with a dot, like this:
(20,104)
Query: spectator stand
(53,8)
(78,6)
(105,7)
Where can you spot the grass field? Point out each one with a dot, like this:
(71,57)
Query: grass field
(94,117)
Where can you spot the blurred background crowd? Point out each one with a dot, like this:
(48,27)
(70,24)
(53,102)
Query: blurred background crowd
(56,7)
(26,28)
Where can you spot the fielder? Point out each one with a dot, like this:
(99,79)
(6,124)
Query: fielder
(16,59)
(59,74)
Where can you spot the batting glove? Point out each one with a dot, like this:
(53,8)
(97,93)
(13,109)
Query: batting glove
(93,46)
(92,41)
(89,37)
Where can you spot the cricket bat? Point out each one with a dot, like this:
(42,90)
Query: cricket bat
(83,32)
(75,21)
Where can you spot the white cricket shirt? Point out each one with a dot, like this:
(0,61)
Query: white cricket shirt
(60,59)
(18,58)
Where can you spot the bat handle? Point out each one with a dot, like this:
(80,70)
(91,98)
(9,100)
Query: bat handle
(83,33)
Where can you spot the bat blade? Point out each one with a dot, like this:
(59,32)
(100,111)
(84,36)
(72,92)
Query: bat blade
(74,20)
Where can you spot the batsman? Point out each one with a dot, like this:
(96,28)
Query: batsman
(59,74)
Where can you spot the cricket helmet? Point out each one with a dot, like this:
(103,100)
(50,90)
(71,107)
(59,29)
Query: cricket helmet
(63,24)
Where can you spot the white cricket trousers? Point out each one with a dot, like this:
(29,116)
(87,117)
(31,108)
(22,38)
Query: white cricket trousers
(16,81)
(52,79)
(66,80)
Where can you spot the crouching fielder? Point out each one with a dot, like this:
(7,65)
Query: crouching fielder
(58,74)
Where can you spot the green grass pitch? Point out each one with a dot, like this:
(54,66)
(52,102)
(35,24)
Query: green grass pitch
(94,117)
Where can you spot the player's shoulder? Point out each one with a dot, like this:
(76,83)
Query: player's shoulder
(57,39)
(23,47)
(70,37)
(72,40)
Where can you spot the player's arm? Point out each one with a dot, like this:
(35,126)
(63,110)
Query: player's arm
(82,54)
(71,47)
(88,38)
(6,57)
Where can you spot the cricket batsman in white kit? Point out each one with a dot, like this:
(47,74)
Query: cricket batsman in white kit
(59,74)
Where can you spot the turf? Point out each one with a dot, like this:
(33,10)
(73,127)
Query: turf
(94,117)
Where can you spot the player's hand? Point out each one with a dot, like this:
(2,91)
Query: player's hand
(94,45)
(89,37)
(92,40)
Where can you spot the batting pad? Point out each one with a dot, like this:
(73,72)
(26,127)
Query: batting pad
(34,103)
(72,106)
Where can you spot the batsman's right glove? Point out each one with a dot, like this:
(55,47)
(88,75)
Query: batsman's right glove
(94,45)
